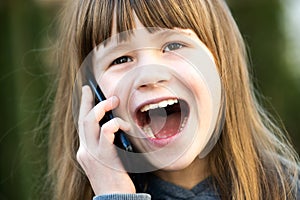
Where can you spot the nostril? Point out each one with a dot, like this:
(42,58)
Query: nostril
(161,81)
(152,79)
(152,84)
(143,86)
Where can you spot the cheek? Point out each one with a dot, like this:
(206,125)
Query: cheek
(194,81)
(108,83)
(120,85)
(203,93)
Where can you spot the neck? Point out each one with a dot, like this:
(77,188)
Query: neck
(188,177)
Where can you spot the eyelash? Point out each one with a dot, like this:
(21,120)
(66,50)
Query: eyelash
(120,60)
(172,46)
(178,46)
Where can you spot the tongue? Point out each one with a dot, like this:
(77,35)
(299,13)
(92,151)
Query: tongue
(165,126)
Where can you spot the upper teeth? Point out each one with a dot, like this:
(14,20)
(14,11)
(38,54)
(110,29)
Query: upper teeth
(161,104)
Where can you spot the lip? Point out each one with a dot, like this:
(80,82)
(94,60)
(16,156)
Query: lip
(160,142)
(163,141)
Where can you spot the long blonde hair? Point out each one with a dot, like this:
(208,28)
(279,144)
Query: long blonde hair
(252,159)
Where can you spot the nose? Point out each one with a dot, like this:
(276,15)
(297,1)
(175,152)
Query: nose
(152,75)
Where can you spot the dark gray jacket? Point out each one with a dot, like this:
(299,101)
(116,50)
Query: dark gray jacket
(159,189)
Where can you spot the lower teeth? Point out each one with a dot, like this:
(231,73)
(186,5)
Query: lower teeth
(183,124)
(148,130)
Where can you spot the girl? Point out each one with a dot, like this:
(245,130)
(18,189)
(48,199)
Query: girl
(175,75)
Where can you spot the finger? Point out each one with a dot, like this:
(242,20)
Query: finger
(110,104)
(86,102)
(107,135)
(105,143)
(98,112)
(91,121)
(85,106)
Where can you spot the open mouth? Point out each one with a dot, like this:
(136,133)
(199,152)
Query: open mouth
(163,119)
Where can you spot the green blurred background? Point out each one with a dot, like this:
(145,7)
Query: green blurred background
(27,37)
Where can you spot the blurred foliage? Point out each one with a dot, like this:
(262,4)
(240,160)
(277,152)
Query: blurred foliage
(27,32)
(261,25)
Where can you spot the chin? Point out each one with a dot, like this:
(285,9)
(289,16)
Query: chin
(176,166)
(175,163)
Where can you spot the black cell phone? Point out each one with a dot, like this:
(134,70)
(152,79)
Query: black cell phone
(121,140)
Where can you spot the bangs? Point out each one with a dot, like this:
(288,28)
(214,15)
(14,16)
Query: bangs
(104,16)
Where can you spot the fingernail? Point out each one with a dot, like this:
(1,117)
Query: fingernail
(84,89)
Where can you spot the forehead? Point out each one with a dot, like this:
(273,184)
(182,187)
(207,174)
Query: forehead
(144,37)
(140,32)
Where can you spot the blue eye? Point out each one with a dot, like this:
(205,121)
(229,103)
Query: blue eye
(172,46)
(121,60)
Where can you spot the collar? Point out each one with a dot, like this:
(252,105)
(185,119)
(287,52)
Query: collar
(160,189)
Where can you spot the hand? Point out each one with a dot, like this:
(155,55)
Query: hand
(97,154)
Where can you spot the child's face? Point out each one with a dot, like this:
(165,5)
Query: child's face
(169,92)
